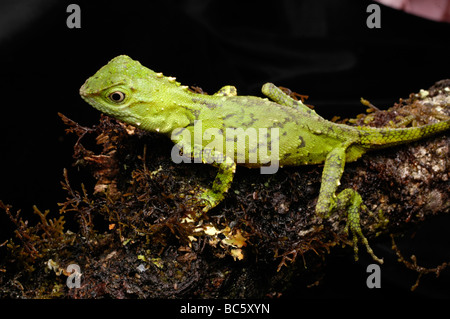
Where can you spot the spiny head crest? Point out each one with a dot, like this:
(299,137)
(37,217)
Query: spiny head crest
(122,70)
(126,90)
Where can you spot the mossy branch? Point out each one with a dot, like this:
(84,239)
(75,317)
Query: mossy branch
(137,227)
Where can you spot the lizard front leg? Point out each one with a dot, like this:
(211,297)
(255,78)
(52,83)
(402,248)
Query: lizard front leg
(226,169)
(348,199)
(220,186)
(210,154)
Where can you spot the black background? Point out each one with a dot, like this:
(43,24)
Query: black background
(319,48)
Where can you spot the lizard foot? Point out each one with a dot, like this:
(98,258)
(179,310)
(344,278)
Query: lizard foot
(204,201)
(353,223)
(350,201)
(210,199)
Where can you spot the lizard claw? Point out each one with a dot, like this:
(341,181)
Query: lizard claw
(210,200)
(204,201)
(354,225)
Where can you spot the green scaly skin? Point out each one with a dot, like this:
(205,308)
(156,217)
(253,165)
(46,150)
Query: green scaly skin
(132,93)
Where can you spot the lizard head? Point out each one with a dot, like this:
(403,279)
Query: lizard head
(130,92)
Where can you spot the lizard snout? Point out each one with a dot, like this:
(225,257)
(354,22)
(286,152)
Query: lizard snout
(83,90)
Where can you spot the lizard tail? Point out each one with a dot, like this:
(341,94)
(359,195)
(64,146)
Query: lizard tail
(385,137)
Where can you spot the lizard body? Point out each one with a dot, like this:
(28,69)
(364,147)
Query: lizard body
(128,91)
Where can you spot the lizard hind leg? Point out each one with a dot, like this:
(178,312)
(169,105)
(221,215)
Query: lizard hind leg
(277,95)
(348,200)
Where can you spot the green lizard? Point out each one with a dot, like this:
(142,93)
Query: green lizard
(130,92)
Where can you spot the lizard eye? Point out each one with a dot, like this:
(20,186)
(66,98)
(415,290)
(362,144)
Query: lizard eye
(117,96)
